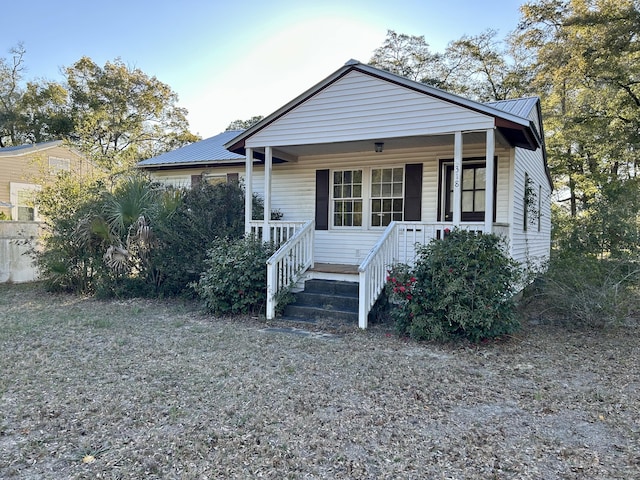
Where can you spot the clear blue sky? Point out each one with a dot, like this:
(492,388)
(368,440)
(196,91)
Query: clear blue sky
(234,59)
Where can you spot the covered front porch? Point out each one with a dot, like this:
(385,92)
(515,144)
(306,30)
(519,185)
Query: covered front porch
(294,261)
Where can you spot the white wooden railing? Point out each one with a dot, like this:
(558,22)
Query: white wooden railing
(288,263)
(280,231)
(399,244)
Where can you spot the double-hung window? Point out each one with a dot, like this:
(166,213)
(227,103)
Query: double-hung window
(387,195)
(367,197)
(347,198)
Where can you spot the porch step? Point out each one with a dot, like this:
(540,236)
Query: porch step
(332,300)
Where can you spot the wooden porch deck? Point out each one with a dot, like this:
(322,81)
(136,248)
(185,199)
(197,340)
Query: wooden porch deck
(335,268)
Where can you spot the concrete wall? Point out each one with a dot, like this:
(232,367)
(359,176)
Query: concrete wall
(16,240)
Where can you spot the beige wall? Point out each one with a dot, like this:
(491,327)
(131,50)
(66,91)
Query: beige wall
(32,168)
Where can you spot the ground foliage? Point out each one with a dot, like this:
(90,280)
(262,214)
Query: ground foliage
(150,389)
(234,279)
(462,286)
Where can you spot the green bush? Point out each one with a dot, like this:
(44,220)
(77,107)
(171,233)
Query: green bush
(584,290)
(235,279)
(462,286)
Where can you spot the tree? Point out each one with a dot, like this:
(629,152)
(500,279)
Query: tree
(122,115)
(480,67)
(244,124)
(10,93)
(586,53)
(406,55)
(44,112)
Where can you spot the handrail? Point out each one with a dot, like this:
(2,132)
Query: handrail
(372,271)
(288,263)
(280,230)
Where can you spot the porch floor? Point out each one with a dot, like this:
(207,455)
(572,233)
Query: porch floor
(334,268)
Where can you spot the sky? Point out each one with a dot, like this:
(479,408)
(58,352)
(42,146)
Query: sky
(234,59)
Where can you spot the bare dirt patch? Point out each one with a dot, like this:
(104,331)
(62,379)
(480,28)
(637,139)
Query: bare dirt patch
(137,388)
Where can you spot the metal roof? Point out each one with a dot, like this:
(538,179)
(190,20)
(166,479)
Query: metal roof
(209,150)
(521,107)
(28,148)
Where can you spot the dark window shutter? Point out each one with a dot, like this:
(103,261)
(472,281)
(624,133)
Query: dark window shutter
(195,180)
(233,178)
(322,199)
(413,192)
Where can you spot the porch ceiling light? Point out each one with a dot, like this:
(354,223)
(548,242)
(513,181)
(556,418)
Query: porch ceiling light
(378,146)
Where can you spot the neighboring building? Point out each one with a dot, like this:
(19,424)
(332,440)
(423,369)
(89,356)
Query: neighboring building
(22,168)
(368,163)
(206,160)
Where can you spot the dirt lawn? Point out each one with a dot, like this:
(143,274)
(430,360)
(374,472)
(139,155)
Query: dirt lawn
(149,389)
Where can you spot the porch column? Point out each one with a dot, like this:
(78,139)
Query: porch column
(457,178)
(248,190)
(488,189)
(268,161)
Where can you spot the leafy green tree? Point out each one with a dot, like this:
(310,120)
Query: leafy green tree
(11,74)
(406,55)
(44,112)
(122,115)
(586,65)
(244,124)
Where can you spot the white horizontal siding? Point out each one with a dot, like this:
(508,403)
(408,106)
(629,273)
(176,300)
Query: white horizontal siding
(293,192)
(530,245)
(359,107)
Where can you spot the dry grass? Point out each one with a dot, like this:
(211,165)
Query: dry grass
(146,389)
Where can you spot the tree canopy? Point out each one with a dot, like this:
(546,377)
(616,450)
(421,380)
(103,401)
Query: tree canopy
(582,58)
(115,115)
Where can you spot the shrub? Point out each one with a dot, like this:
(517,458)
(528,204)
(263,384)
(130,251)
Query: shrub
(235,279)
(461,286)
(585,290)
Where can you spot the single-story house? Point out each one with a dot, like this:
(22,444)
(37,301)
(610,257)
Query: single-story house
(24,167)
(365,164)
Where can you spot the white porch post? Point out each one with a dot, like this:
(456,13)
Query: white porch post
(488,189)
(248,190)
(268,161)
(457,178)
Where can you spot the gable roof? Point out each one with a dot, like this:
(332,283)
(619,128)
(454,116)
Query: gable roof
(28,148)
(208,151)
(519,131)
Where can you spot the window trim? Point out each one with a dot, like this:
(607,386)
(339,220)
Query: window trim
(14,190)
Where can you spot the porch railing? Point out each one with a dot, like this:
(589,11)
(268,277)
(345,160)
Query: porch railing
(280,231)
(288,263)
(399,244)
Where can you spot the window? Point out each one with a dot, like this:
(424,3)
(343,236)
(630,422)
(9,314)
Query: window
(473,192)
(387,196)
(214,179)
(347,198)
(22,197)
(57,165)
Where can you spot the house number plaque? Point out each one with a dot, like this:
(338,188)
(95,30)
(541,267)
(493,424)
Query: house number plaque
(456,176)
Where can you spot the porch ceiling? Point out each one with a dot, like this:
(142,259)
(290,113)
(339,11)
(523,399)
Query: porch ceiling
(397,143)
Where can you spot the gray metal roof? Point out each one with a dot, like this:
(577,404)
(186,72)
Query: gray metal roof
(209,150)
(28,148)
(518,106)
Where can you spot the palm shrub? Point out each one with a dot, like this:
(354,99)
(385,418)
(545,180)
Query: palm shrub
(235,278)
(461,286)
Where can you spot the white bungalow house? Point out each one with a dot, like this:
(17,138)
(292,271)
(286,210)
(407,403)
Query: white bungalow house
(365,164)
